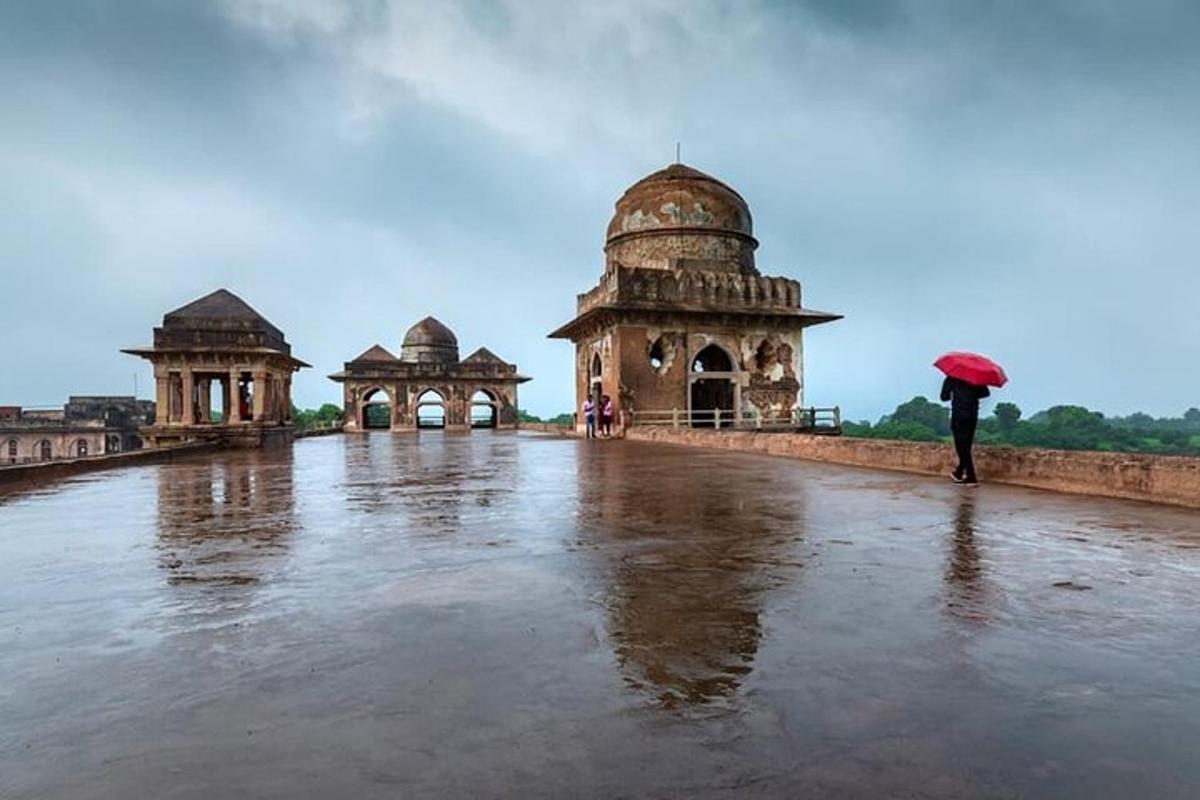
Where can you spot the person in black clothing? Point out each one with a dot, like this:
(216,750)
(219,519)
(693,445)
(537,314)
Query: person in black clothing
(964,417)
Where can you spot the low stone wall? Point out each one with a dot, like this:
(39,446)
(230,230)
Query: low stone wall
(42,471)
(316,432)
(548,427)
(1133,476)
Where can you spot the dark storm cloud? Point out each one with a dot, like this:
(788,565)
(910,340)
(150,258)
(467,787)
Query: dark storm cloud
(1015,178)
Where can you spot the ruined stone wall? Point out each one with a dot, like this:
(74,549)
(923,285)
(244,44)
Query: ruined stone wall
(1160,479)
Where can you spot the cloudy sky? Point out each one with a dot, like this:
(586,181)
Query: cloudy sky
(1021,179)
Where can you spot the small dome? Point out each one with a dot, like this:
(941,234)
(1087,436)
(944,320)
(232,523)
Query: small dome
(679,216)
(430,342)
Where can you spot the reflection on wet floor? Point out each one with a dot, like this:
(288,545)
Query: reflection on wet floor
(223,522)
(503,615)
(682,589)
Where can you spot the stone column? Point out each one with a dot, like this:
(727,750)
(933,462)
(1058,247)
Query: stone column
(235,397)
(189,399)
(206,400)
(162,399)
(225,399)
(260,398)
(174,397)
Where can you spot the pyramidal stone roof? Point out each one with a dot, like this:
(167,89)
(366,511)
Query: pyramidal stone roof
(483,355)
(221,304)
(376,353)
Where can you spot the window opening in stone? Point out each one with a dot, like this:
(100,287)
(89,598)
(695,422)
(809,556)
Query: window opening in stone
(483,410)
(81,447)
(656,354)
(43,450)
(431,410)
(377,410)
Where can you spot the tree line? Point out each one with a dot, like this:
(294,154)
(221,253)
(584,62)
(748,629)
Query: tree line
(1065,427)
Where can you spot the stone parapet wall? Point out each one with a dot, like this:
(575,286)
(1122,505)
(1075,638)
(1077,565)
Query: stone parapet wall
(1133,476)
(41,472)
(548,427)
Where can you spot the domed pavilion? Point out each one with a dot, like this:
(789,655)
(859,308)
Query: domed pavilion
(428,386)
(682,327)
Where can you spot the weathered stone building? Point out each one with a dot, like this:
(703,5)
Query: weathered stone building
(681,320)
(219,345)
(428,386)
(84,426)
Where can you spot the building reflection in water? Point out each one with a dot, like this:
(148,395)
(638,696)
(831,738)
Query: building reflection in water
(685,559)
(225,520)
(969,596)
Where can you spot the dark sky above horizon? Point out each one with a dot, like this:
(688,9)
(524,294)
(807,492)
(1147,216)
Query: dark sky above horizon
(1019,179)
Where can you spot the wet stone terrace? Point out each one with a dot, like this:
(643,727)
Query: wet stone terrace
(507,615)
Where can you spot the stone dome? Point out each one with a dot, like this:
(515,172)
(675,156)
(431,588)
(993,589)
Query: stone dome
(680,217)
(429,342)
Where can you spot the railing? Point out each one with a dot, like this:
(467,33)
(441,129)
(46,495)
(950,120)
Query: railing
(811,419)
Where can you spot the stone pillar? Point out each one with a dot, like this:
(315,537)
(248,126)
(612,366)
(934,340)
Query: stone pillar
(260,398)
(205,400)
(235,397)
(174,398)
(225,399)
(162,398)
(189,399)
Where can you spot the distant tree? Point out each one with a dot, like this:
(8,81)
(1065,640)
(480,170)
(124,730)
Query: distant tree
(934,416)
(565,419)
(1007,416)
(906,431)
(525,416)
(1192,415)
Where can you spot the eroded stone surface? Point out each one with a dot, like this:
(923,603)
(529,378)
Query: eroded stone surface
(507,615)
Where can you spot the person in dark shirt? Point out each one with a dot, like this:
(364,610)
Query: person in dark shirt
(964,417)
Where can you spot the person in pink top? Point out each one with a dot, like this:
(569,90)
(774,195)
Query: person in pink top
(606,415)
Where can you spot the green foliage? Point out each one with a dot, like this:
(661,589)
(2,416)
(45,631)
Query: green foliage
(327,416)
(525,416)
(920,411)
(1063,427)
(1007,416)
(565,419)
(1192,415)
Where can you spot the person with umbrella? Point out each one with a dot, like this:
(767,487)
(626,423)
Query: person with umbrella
(968,376)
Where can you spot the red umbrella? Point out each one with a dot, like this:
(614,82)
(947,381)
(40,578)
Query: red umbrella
(972,368)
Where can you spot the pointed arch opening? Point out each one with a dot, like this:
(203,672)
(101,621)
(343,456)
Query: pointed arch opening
(713,391)
(377,409)
(484,409)
(431,409)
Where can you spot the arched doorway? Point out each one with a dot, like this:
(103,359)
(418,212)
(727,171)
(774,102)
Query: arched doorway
(377,410)
(483,409)
(11,451)
(43,451)
(431,409)
(712,392)
(81,447)
(596,379)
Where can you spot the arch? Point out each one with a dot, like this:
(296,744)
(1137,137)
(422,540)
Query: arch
(10,451)
(43,450)
(376,414)
(712,393)
(430,409)
(80,447)
(596,370)
(112,443)
(713,358)
(484,409)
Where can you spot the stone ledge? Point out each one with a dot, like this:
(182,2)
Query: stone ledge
(1173,480)
(41,471)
